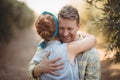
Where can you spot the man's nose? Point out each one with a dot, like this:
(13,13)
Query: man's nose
(65,33)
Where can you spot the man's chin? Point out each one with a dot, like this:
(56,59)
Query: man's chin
(66,41)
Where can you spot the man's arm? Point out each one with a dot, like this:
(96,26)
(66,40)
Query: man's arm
(32,65)
(93,67)
(47,66)
(89,65)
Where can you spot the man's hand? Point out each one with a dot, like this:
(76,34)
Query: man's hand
(48,66)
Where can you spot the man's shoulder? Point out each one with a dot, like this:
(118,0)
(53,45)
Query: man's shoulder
(89,56)
(92,50)
(91,53)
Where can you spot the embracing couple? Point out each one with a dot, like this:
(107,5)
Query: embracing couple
(65,53)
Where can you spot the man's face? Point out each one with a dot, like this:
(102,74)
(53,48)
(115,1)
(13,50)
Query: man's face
(67,29)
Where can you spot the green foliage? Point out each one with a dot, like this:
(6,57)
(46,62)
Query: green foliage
(112,27)
(111,24)
(14,15)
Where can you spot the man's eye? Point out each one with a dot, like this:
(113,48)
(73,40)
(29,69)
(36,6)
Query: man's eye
(70,28)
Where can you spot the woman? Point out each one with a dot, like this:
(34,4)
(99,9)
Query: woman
(47,28)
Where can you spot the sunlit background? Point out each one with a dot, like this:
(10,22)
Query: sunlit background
(48,5)
(54,6)
(19,39)
(42,5)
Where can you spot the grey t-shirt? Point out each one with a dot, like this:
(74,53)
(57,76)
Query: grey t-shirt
(56,49)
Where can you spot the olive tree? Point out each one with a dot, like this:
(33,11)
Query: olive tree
(109,24)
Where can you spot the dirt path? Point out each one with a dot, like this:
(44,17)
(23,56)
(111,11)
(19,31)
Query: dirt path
(15,57)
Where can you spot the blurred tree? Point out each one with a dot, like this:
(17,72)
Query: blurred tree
(86,17)
(110,24)
(14,15)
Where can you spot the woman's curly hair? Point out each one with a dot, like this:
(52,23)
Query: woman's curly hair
(45,26)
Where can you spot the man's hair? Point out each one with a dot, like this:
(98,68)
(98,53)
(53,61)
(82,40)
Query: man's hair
(45,26)
(69,12)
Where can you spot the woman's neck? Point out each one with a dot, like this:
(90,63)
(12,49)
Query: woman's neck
(54,38)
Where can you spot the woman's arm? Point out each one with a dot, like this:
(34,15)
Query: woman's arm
(81,45)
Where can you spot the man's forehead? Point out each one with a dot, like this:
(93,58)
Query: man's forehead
(67,23)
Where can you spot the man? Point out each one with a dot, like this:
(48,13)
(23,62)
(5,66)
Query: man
(88,62)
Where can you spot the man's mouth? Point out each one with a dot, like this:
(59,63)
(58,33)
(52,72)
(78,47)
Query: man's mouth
(66,38)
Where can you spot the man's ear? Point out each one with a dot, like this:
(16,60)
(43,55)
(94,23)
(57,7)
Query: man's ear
(78,25)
